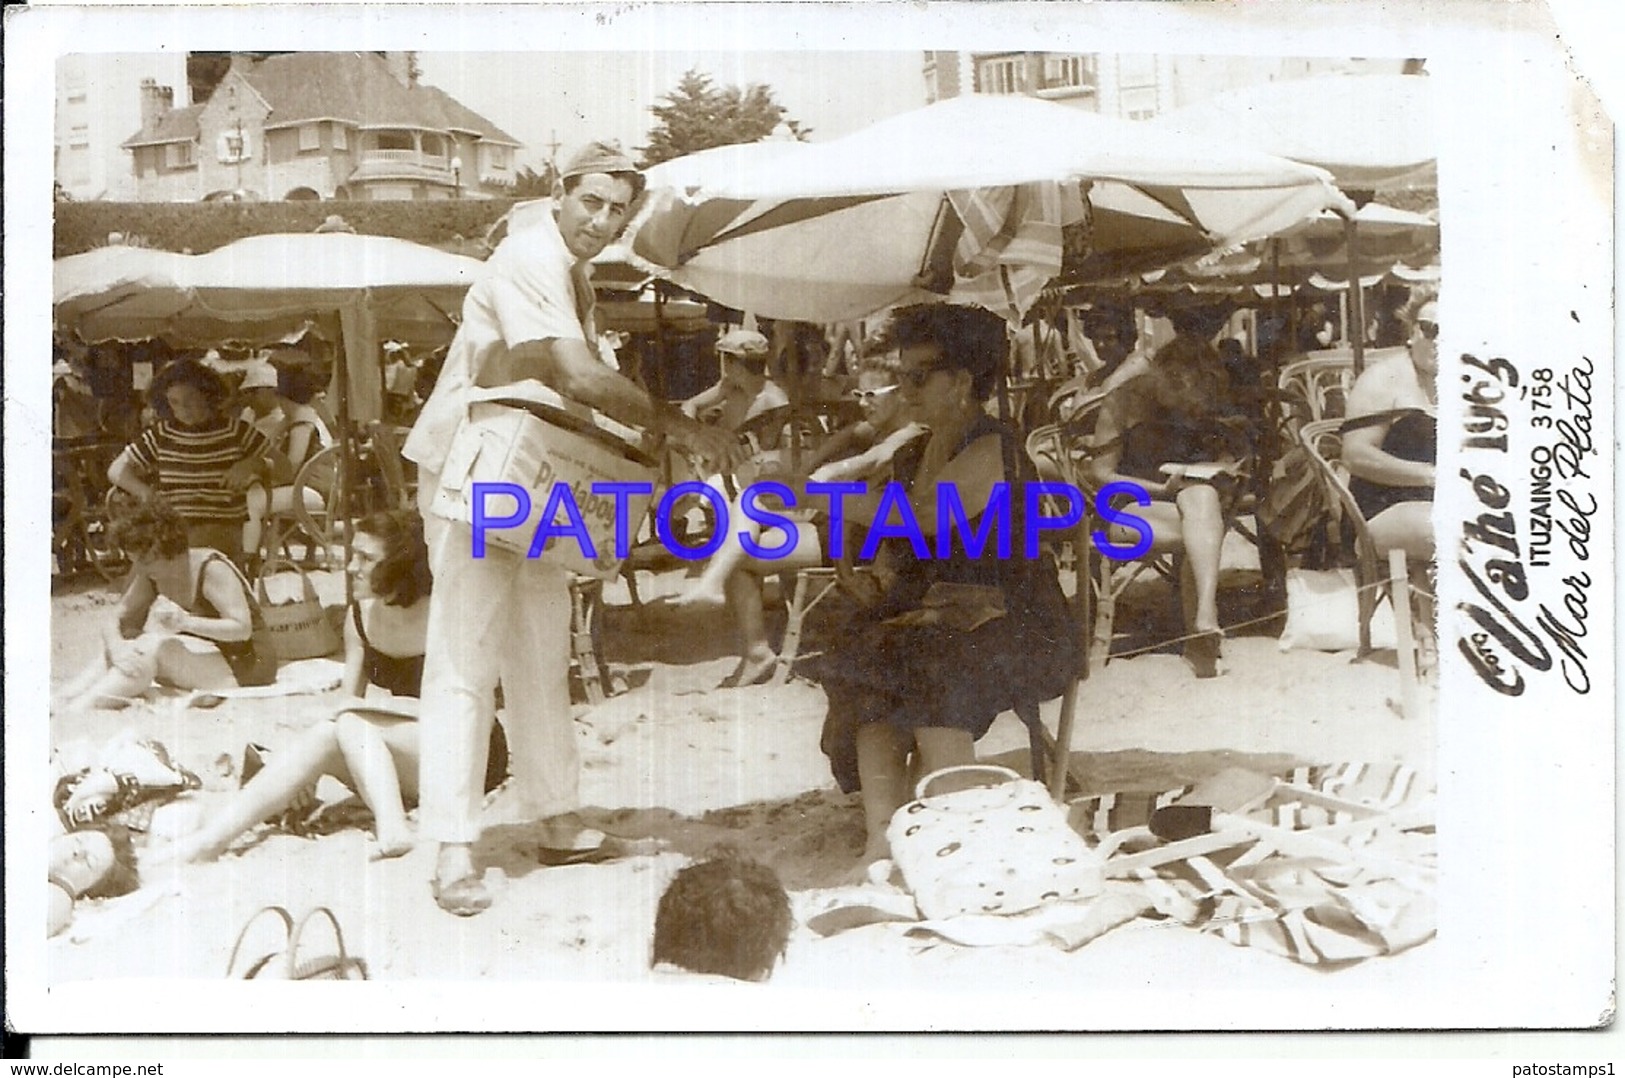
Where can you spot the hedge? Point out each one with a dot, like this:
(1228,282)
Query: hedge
(203,226)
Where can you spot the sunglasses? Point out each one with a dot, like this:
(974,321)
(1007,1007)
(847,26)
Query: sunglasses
(1428,329)
(872,396)
(916,377)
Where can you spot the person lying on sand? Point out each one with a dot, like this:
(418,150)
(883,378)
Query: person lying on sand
(96,862)
(371,743)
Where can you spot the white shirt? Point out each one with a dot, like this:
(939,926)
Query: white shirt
(533,289)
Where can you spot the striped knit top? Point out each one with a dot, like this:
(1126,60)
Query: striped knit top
(191,464)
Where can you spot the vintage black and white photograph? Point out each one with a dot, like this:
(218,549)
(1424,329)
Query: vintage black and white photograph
(854,530)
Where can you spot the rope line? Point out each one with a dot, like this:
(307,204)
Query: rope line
(1234,625)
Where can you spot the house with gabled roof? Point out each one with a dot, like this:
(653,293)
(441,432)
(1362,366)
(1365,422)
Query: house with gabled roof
(318,125)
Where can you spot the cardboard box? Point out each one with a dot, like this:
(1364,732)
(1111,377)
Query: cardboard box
(528,435)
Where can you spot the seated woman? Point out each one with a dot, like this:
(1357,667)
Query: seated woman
(201,458)
(296,432)
(96,862)
(371,743)
(856,452)
(944,644)
(1388,439)
(1151,429)
(186,619)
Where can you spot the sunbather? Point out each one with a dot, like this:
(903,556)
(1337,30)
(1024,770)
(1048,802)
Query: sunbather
(186,618)
(371,743)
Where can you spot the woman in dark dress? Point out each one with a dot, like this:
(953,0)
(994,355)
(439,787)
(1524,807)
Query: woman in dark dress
(944,644)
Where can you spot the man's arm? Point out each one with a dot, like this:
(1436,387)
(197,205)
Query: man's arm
(571,368)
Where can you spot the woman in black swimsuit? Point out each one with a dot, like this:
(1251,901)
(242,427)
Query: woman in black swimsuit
(371,744)
(1388,440)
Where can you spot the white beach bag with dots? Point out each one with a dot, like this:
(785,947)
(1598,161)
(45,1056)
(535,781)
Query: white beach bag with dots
(994,848)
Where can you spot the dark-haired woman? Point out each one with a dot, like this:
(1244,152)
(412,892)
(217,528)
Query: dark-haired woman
(371,743)
(186,617)
(200,458)
(96,862)
(946,643)
(1176,433)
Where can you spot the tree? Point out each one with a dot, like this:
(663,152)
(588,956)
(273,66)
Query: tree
(698,115)
(532,184)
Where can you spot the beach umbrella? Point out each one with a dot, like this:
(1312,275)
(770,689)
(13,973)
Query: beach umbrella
(1312,250)
(964,200)
(267,289)
(1371,132)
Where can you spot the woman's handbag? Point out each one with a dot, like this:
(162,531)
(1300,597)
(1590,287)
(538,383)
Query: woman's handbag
(298,628)
(283,962)
(989,849)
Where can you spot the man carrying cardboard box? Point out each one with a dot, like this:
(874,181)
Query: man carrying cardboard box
(503,617)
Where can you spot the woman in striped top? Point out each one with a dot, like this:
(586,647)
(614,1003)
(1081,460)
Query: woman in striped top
(198,457)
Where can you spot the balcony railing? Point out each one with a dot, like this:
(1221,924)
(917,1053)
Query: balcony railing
(410,157)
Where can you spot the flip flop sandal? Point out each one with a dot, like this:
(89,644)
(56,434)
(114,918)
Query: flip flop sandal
(466,897)
(611,849)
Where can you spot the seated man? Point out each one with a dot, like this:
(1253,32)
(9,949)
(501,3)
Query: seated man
(861,451)
(744,391)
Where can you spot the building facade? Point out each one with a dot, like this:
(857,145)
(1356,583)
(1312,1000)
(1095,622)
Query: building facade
(1130,86)
(341,126)
(98,104)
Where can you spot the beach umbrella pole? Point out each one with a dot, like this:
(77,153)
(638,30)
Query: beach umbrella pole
(1356,301)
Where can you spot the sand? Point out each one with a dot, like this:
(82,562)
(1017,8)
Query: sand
(685,766)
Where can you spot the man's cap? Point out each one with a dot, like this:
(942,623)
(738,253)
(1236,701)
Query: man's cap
(604,155)
(743,342)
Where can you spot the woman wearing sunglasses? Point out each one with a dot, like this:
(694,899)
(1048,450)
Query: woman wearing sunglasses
(1388,438)
(949,636)
(856,452)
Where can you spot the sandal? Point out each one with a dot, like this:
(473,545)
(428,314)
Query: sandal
(1202,653)
(466,897)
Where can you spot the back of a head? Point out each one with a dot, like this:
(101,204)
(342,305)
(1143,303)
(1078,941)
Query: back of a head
(1189,377)
(725,915)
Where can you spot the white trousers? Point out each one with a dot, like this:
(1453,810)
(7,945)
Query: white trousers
(497,617)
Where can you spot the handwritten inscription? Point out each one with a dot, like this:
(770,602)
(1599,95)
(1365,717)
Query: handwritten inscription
(1502,644)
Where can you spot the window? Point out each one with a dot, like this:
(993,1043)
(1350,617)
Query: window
(1139,103)
(1001,75)
(234,145)
(497,158)
(341,137)
(396,140)
(310,137)
(178,155)
(1067,71)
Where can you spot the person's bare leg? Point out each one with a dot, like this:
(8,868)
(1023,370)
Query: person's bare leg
(313,754)
(361,738)
(756,658)
(710,588)
(883,772)
(942,746)
(1202,525)
(180,666)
